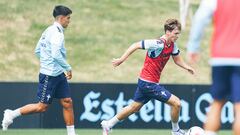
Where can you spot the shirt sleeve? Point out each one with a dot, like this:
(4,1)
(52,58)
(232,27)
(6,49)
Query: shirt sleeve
(37,50)
(175,51)
(152,44)
(56,41)
(201,19)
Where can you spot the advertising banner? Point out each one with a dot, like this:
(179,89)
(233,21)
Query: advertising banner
(94,102)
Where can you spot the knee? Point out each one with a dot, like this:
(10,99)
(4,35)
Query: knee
(134,109)
(41,108)
(177,103)
(67,103)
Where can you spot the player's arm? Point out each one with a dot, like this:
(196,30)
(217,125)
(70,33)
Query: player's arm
(201,19)
(56,42)
(117,61)
(37,50)
(180,62)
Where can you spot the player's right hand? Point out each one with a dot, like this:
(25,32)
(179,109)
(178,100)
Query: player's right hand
(69,75)
(116,62)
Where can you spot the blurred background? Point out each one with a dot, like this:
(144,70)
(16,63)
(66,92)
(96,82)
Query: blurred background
(100,30)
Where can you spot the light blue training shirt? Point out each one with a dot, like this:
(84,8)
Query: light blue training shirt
(51,51)
(201,19)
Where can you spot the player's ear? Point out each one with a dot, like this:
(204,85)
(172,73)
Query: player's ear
(167,32)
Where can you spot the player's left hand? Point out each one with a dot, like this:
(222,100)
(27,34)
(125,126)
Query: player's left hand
(191,70)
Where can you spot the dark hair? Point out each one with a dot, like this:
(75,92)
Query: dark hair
(171,24)
(61,10)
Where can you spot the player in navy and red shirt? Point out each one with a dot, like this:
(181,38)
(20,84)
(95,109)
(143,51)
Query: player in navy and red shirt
(158,53)
(157,56)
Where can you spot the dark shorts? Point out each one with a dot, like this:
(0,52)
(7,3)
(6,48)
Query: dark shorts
(50,87)
(146,91)
(226,83)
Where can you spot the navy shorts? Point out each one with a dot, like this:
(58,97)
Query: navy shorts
(146,91)
(226,83)
(50,87)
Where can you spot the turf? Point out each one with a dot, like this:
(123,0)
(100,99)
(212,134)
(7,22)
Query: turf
(92,132)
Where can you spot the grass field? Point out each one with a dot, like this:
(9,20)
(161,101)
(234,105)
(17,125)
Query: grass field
(91,132)
(98,32)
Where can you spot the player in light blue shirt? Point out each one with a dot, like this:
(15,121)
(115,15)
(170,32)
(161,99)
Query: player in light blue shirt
(51,51)
(52,79)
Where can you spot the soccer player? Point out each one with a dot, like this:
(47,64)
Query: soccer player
(54,72)
(158,53)
(225,57)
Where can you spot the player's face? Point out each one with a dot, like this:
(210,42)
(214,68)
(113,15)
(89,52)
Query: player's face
(65,21)
(174,34)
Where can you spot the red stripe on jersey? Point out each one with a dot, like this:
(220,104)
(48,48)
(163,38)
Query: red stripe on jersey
(153,67)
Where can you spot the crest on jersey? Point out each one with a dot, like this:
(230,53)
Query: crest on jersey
(156,51)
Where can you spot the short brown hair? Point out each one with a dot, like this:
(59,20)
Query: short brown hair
(171,24)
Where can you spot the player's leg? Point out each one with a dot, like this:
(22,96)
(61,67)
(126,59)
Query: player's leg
(10,115)
(220,91)
(68,115)
(63,93)
(128,110)
(33,108)
(175,105)
(158,92)
(124,113)
(213,121)
(236,124)
(139,101)
(67,111)
(236,99)
(44,97)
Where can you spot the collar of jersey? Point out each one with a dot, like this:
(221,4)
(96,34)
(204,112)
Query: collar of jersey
(58,25)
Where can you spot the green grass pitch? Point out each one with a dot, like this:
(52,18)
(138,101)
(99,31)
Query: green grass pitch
(93,132)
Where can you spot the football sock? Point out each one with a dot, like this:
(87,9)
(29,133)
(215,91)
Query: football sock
(210,133)
(16,113)
(175,126)
(113,121)
(70,130)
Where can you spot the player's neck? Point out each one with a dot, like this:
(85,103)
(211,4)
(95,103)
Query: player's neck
(167,39)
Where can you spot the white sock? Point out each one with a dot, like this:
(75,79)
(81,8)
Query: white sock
(113,121)
(175,126)
(70,130)
(207,132)
(16,113)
